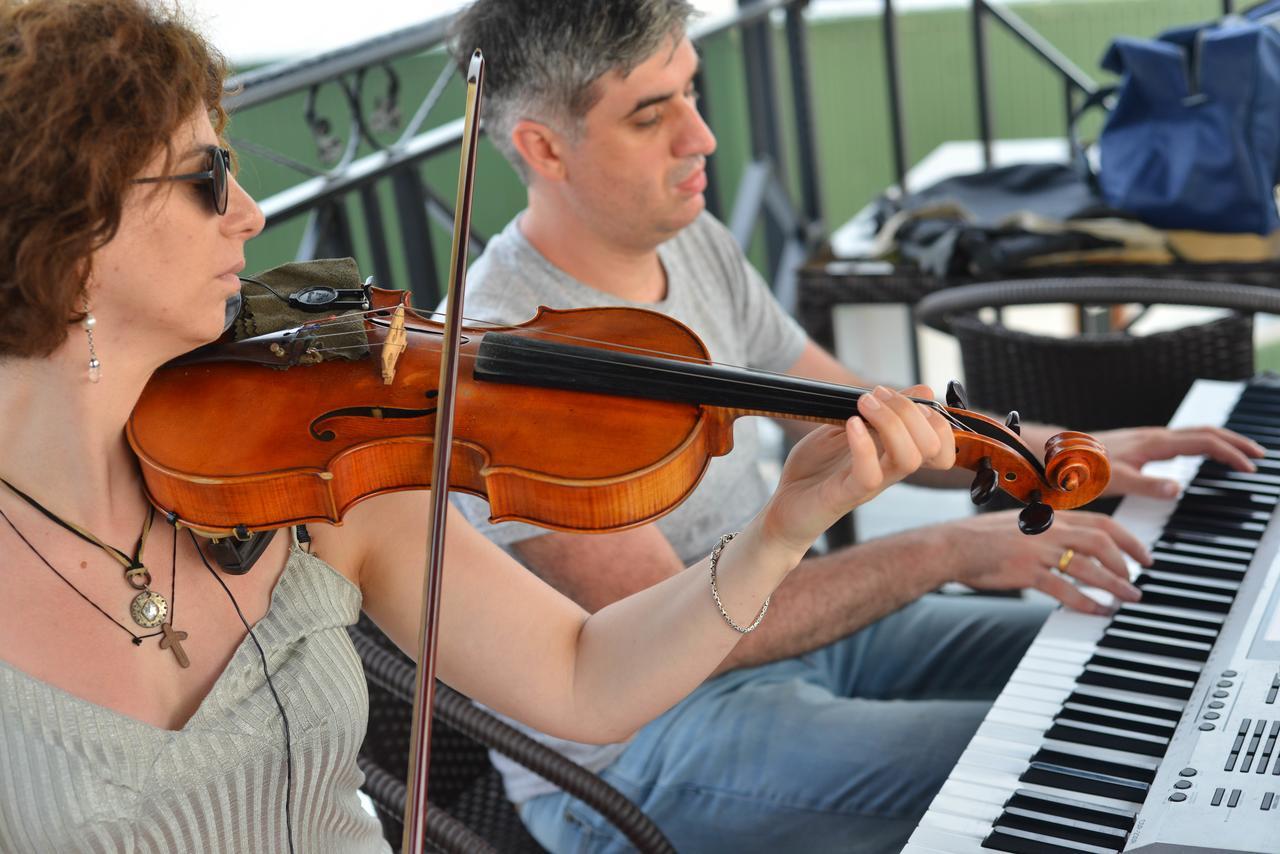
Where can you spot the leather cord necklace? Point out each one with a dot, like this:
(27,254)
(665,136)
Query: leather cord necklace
(149,609)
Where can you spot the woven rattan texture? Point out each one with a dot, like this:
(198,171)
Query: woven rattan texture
(1098,382)
(462,781)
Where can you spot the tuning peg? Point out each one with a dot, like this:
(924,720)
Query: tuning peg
(1036,517)
(1014,421)
(984,482)
(956,396)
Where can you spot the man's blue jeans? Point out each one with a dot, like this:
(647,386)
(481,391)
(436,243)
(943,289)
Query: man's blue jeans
(838,750)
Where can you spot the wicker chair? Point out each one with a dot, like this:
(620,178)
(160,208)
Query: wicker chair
(1099,381)
(469,810)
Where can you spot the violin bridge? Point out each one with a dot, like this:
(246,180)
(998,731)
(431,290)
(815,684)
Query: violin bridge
(395,344)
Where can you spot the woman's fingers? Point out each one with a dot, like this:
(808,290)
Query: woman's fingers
(905,434)
(865,474)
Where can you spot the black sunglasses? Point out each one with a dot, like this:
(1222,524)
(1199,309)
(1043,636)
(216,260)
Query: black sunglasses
(216,176)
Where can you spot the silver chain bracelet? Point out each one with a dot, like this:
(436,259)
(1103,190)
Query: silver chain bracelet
(715,559)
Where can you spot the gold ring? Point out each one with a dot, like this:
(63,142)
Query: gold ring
(1065,560)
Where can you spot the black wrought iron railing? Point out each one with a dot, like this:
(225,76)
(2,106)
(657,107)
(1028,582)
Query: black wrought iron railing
(369,189)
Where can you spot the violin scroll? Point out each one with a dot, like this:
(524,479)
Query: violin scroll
(1077,464)
(1074,472)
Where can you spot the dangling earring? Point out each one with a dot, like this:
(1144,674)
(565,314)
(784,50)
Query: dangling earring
(95,367)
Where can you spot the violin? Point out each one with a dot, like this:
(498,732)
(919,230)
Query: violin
(586,420)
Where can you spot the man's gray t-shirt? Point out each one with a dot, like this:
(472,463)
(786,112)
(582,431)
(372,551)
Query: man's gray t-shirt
(712,289)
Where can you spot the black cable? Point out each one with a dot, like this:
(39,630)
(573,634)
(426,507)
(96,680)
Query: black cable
(288,747)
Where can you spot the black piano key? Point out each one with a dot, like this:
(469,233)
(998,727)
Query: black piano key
(1189,673)
(1197,570)
(1230,554)
(1257,491)
(1025,842)
(1090,714)
(1077,780)
(1105,767)
(1134,684)
(1180,578)
(1083,698)
(1266,475)
(1064,731)
(1230,498)
(1065,807)
(1067,831)
(1144,611)
(1183,535)
(1154,645)
(1238,562)
(1195,509)
(1150,625)
(1159,594)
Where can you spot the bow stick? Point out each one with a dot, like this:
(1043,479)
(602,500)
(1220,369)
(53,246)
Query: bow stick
(424,695)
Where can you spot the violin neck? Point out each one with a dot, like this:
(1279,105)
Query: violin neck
(523,360)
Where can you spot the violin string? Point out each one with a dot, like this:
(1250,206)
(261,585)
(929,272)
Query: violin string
(831,396)
(749,384)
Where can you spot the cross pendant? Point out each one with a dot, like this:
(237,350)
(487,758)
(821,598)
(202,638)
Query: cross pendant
(173,639)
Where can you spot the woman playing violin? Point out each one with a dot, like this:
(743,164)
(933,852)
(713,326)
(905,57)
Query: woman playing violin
(134,709)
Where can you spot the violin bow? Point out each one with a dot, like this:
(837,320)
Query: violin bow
(415,805)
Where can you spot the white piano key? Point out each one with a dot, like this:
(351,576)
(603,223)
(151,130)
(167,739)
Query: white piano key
(1047,660)
(1013,702)
(1036,694)
(972,828)
(1015,734)
(1001,755)
(960,807)
(979,792)
(1002,714)
(936,839)
(917,848)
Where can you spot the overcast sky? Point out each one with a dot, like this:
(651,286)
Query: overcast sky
(251,31)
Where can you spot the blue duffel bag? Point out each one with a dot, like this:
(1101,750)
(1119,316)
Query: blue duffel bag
(1193,139)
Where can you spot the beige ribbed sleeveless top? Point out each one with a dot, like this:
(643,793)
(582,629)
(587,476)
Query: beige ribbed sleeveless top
(79,777)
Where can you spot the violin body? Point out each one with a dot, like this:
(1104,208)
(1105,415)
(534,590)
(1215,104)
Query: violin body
(569,421)
(231,444)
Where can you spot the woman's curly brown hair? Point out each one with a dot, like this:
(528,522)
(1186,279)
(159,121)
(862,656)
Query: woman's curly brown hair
(90,91)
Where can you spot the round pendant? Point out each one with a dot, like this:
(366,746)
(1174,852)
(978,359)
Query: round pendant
(149,609)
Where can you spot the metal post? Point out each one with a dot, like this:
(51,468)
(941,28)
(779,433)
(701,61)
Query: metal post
(375,231)
(893,73)
(806,134)
(981,77)
(766,144)
(415,237)
(1069,103)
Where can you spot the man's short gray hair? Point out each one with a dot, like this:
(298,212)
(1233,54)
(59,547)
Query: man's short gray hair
(543,57)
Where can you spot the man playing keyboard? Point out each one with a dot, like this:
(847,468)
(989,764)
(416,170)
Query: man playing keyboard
(832,726)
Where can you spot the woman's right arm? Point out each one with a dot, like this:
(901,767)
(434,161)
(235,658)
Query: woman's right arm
(512,642)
